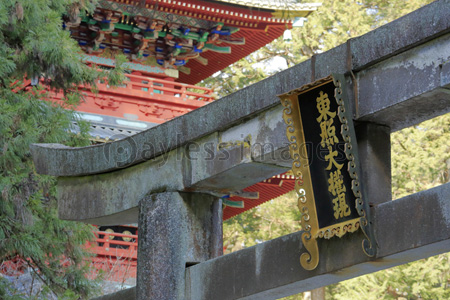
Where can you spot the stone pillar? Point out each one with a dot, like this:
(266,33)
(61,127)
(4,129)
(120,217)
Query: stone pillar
(374,145)
(175,230)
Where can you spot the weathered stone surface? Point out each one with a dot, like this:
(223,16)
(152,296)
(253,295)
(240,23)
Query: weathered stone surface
(175,230)
(407,88)
(332,61)
(376,102)
(445,76)
(90,197)
(374,146)
(413,221)
(272,270)
(216,164)
(224,162)
(128,294)
(395,37)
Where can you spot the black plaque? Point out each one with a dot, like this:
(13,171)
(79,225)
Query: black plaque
(323,147)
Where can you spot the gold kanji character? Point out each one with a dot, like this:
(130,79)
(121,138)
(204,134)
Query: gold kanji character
(340,207)
(328,133)
(336,183)
(323,106)
(330,159)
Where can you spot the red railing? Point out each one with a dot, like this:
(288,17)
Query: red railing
(115,254)
(115,258)
(148,86)
(115,244)
(149,99)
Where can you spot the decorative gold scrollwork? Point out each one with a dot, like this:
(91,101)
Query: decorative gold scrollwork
(369,244)
(303,186)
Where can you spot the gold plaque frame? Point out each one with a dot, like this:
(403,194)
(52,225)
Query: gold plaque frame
(303,184)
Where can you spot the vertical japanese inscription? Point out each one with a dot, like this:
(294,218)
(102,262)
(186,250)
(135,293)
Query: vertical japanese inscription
(329,140)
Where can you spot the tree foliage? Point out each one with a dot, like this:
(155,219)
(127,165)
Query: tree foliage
(33,44)
(424,279)
(421,156)
(29,226)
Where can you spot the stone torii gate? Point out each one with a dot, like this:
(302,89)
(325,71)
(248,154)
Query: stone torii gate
(169,177)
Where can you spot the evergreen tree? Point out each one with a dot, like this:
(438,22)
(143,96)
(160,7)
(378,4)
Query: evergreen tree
(420,156)
(33,44)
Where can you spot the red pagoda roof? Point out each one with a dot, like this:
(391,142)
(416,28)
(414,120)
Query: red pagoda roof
(192,39)
(264,191)
(217,63)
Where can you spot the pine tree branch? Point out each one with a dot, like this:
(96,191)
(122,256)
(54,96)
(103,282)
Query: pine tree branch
(40,267)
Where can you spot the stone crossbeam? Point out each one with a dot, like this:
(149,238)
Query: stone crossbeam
(272,269)
(240,140)
(401,74)
(408,229)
